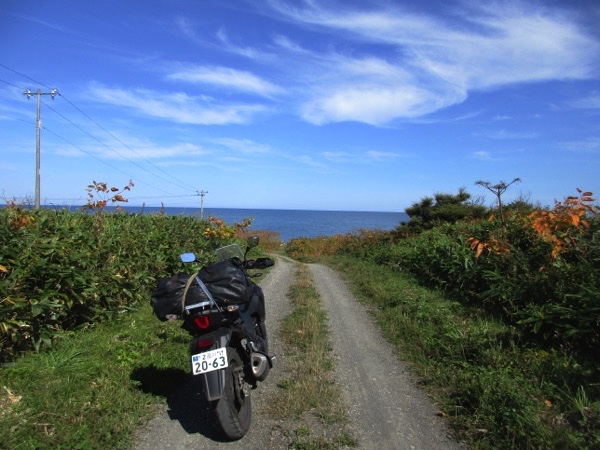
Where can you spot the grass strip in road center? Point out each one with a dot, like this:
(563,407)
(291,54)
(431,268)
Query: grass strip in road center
(309,393)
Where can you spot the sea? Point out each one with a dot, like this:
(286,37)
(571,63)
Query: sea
(289,224)
(292,224)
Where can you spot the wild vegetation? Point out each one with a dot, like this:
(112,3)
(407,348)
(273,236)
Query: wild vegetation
(505,327)
(95,387)
(62,270)
(69,377)
(500,314)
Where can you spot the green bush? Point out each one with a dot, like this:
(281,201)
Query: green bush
(61,270)
(515,276)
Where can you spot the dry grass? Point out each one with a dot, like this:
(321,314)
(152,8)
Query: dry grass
(270,241)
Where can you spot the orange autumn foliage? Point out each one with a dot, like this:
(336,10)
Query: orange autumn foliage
(562,225)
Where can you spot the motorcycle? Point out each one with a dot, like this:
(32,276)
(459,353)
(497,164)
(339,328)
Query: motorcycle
(224,312)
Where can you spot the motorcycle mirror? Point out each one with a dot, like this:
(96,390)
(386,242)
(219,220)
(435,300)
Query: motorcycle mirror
(188,257)
(253,241)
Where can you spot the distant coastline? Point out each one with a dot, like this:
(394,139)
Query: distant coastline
(288,223)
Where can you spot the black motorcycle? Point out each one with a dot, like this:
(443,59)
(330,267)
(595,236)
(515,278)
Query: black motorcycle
(224,311)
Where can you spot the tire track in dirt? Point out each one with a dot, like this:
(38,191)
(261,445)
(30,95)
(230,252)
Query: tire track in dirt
(387,409)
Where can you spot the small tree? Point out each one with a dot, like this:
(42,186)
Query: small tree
(441,208)
(99,194)
(498,189)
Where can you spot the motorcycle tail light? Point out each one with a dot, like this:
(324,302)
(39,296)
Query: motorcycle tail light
(202,322)
(205,343)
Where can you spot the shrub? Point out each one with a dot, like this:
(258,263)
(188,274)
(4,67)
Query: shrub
(538,270)
(60,270)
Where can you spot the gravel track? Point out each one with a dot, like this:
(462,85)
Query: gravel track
(386,409)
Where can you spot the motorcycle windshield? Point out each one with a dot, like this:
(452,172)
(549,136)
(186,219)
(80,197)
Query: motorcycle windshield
(229,251)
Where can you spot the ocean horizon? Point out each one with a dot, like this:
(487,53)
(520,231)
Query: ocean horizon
(288,223)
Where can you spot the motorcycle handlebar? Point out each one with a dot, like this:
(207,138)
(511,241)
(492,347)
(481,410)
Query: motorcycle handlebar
(260,263)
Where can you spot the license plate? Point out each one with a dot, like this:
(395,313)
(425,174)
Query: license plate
(209,361)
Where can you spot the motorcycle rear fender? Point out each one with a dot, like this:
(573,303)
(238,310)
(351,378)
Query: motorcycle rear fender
(214,382)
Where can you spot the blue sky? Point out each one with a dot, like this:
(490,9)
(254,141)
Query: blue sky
(315,104)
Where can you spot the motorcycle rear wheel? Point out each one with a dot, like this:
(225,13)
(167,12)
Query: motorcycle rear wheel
(234,409)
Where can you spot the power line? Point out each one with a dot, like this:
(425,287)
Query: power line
(111,149)
(18,118)
(176,181)
(92,155)
(127,146)
(10,84)
(25,76)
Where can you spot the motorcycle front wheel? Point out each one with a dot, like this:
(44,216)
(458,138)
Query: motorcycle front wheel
(234,409)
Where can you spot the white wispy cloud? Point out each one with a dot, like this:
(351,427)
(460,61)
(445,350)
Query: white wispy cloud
(439,59)
(372,104)
(590,102)
(134,149)
(482,155)
(226,77)
(177,106)
(246,146)
(589,145)
(343,157)
(339,157)
(379,156)
(245,51)
(506,134)
(184,25)
(306,160)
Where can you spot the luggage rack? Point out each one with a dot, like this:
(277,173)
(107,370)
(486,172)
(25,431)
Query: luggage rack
(188,308)
(210,303)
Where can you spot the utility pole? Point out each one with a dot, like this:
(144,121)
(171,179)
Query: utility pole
(38,126)
(202,194)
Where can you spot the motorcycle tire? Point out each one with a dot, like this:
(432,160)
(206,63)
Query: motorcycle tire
(234,409)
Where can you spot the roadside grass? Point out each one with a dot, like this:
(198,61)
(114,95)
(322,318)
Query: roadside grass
(95,388)
(310,391)
(496,393)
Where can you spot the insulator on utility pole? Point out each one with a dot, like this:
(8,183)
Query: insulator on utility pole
(38,126)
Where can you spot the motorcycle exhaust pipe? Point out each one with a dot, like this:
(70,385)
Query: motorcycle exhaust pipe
(261,365)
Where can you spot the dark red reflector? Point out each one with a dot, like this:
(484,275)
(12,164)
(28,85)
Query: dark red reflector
(205,343)
(202,322)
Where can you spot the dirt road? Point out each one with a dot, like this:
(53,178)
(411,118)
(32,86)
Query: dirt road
(386,408)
